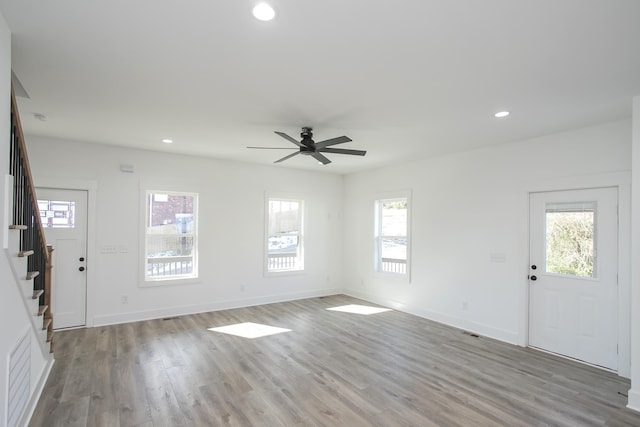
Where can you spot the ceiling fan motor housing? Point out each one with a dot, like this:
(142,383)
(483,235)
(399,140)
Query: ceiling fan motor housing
(307,141)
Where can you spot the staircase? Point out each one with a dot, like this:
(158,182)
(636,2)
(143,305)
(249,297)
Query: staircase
(29,255)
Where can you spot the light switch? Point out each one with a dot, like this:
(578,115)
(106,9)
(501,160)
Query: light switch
(109,249)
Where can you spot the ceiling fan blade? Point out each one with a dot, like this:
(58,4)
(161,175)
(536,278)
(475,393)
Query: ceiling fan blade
(343,151)
(332,141)
(288,138)
(287,157)
(319,157)
(273,148)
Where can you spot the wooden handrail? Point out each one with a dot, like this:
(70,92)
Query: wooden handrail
(24,158)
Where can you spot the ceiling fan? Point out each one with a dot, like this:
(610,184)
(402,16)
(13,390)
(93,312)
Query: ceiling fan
(308,147)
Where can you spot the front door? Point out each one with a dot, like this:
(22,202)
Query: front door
(64,217)
(573,290)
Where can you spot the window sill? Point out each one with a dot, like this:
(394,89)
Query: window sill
(406,278)
(284,273)
(169,282)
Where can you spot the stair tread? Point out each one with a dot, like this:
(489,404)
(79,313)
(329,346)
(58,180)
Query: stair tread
(36,294)
(42,309)
(32,274)
(46,323)
(25,253)
(17,227)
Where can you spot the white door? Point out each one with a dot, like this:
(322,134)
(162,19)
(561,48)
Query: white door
(573,300)
(64,217)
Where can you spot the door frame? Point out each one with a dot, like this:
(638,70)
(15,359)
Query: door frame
(621,181)
(91,188)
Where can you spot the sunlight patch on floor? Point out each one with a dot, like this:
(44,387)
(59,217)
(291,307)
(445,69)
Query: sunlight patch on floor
(249,330)
(359,309)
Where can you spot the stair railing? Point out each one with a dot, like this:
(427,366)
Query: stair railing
(25,212)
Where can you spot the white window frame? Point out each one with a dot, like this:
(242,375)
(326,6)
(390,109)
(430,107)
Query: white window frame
(300,267)
(192,277)
(378,267)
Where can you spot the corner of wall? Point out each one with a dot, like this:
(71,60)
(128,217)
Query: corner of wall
(634,393)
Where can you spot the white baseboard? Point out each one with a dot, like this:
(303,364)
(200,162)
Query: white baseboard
(136,316)
(633,402)
(475,327)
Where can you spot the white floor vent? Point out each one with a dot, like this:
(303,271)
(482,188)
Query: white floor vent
(19,380)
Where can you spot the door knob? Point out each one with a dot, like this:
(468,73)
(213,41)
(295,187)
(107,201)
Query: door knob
(81,259)
(81,269)
(533,278)
(533,267)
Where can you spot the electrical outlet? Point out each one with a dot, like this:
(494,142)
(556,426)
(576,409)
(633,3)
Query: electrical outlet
(465,306)
(125,299)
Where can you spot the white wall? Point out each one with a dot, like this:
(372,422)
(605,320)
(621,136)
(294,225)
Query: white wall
(634,393)
(8,335)
(231,228)
(470,206)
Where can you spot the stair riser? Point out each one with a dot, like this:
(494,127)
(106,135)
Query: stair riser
(19,267)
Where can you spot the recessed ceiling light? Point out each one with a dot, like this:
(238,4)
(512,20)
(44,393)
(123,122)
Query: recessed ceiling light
(501,114)
(264,12)
(167,141)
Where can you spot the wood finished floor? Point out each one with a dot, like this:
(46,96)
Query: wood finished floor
(333,369)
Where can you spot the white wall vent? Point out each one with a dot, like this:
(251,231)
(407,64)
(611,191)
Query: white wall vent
(19,380)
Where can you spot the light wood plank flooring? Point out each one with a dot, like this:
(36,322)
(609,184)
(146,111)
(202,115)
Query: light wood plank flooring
(333,369)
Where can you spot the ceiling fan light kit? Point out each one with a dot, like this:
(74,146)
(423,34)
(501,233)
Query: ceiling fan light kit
(308,147)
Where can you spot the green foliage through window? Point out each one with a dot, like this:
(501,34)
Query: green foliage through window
(570,237)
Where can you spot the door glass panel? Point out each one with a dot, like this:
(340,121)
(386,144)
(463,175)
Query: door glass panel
(570,242)
(57,213)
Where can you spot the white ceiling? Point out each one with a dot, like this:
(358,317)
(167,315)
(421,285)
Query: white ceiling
(404,79)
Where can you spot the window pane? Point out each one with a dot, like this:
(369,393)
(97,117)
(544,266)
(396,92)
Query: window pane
(284,217)
(167,209)
(570,239)
(170,235)
(394,248)
(394,218)
(392,235)
(283,244)
(169,245)
(284,235)
(57,214)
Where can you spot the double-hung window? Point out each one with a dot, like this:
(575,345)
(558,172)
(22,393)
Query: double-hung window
(171,236)
(284,236)
(392,236)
